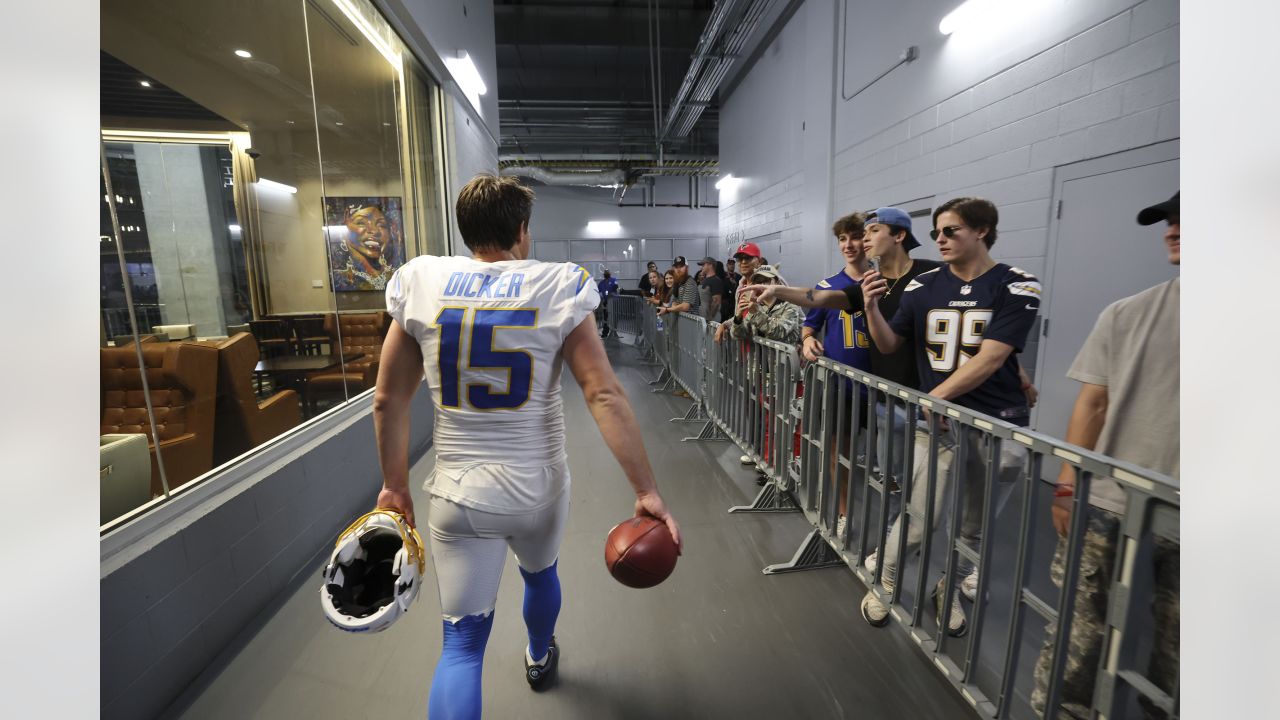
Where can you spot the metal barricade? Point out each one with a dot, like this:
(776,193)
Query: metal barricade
(624,313)
(924,484)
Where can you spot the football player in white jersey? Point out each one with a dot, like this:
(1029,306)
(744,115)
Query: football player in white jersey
(492,333)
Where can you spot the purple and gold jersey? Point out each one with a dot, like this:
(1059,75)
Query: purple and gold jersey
(945,320)
(843,333)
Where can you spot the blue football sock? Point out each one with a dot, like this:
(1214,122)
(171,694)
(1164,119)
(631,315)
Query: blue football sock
(541,607)
(455,689)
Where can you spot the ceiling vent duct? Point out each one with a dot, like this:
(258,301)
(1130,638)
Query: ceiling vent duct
(717,50)
(606,178)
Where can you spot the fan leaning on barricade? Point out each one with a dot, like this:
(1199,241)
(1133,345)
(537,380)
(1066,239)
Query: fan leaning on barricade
(1127,408)
(749,258)
(684,293)
(942,311)
(771,320)
(842,336)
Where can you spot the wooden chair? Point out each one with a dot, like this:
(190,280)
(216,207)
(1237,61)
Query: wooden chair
(273,336)
(309,335)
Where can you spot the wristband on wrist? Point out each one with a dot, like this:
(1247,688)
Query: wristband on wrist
(1061,490)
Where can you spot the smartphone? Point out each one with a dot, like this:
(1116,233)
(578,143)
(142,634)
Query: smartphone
(874,263)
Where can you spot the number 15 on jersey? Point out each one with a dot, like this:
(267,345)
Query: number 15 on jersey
(480,325)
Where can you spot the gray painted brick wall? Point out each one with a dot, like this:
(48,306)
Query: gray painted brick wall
(1111,88)
(171,602)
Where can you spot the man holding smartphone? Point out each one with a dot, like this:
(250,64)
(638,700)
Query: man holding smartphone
(887,239)
(964,324)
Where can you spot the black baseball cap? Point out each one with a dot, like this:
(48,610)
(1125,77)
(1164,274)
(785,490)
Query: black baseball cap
(678,262)
(1160,211)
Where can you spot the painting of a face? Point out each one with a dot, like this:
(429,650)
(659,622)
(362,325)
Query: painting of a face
(365,239)
(369,232)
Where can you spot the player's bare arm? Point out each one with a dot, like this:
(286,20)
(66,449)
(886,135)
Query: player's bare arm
(1087,419)
(874,287)
(584,353)
(975,371)
(399,375)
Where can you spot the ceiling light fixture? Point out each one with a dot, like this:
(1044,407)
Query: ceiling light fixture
(244,54)
(604,226)
(370,34)
(728,182)
(234,228)
(273,185)
(464,71)
(145,83)
(979,12)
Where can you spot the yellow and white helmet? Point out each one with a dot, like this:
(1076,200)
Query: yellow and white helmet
(373,574)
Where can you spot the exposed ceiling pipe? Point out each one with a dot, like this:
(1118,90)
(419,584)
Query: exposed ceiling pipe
(606,178)
(706,43)
(718,68)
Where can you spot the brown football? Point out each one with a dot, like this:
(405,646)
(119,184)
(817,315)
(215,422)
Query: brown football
(640,552)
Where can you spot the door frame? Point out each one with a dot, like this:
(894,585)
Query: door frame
(1163,151)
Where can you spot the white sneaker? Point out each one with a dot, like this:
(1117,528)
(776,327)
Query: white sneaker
(872,560)
(746,460)
(841,524)
(957,624)
(969,585)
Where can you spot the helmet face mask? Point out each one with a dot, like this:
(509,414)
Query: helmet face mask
(373,573)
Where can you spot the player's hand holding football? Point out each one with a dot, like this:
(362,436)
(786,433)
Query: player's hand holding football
(811,348)
(652,504)
(874,287)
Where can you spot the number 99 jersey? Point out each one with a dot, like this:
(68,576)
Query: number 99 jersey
(947,319)
(491,336)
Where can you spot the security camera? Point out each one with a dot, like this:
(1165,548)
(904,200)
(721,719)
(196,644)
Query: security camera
(252,153)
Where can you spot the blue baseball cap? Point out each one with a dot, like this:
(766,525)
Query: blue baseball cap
(897,218)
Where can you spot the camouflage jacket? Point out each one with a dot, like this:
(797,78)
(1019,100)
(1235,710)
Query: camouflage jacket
(781,322)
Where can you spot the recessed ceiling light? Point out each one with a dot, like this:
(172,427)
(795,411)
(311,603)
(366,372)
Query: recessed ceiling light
(145,83)
(338,124)
(244,53)
(386,124)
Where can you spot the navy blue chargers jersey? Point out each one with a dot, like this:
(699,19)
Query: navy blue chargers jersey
(843,334)
(946,319)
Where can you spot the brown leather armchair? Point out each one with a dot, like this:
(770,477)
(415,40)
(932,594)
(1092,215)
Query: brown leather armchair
(242,422)
(360,333)
(183,380)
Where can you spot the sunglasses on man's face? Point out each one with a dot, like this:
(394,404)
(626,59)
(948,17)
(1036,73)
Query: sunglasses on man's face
(950,231)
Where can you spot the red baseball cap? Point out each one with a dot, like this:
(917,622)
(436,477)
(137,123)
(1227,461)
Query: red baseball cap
(749,249)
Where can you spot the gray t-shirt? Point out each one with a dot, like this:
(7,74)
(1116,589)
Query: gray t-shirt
(1133,351)
(711,288)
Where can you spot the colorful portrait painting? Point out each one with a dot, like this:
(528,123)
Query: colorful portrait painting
(365,236)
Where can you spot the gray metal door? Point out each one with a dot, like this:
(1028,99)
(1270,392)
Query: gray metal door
(1098,254)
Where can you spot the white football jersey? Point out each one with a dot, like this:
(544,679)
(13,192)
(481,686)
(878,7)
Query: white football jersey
(491,336)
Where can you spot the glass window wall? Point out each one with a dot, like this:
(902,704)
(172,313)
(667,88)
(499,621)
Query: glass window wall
(267,166)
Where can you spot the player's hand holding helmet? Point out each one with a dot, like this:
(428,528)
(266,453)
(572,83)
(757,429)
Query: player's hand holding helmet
(374,572)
